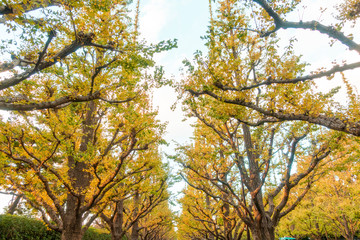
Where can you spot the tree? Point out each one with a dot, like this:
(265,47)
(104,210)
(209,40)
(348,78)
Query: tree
(207,213)
(48,37)
(68,166)
(203,217)
(253,170)
(158,224)
(270,156)
(65,161)
(331,208)
(282,75)
(136,198)
(306,221)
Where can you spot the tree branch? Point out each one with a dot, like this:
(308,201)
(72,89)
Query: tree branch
(9,104)
(312,25)
(28,6)
(321,119)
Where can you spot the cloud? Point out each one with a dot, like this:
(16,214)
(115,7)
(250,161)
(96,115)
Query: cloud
(153,18)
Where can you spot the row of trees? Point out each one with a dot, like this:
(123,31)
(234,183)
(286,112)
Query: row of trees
(90,153)
(264,135)
(330,209)
(91,150)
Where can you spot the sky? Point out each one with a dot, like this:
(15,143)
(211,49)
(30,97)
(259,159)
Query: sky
(187,20)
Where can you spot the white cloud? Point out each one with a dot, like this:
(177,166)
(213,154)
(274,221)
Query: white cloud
(153,18)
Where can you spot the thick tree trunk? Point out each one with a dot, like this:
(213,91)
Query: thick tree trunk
(263,233)
(72,221)
(72,228)
(117,232)
(115,236)
(71,235)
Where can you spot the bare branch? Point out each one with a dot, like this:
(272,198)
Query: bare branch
(313,25)
(269,81)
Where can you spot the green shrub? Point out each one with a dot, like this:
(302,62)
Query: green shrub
(96,234)
(14,227)
(22,228)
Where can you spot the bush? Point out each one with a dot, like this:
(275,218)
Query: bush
(96,234)
(22,228)
(14,227)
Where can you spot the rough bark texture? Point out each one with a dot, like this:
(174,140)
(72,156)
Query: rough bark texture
(117,232)
(263,233)
(72,224)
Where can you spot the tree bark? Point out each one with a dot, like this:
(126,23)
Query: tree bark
(14,204)
(263,233)
(135,227)
(72,222)
(117,232)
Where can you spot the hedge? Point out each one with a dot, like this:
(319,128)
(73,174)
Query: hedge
(14,227)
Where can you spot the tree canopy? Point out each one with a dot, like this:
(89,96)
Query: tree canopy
(81,143)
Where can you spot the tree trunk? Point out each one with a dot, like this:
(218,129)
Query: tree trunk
(263,229)
(117,232)
(14,204)
(263,233)
(80,181)
(135,227)
(71,235)
(72,223)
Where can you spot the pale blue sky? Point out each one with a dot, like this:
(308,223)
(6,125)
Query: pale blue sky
(186,21)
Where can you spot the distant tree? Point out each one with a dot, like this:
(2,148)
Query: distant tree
(136,198)
(206,211)
(331,208)
(158,224)
(203,217)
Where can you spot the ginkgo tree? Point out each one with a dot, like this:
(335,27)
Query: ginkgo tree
(331,208)
(158,224)
(206,211)
(136,197)
(65,160)
(204,217)
(252,170)
(268,155)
